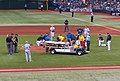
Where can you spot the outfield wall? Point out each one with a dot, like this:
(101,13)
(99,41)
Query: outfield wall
(31,4)
(18,4)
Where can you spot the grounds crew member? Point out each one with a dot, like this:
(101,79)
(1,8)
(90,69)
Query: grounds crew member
(60,9)
(27,52)
(41,7)
(25,6)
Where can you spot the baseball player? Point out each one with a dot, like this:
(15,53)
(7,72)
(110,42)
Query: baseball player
(80,31)
(86,31)
(27,52)
(108,40)
(100,40)
(39,41)
(52,32)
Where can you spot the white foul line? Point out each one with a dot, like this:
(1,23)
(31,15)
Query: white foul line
(92,23)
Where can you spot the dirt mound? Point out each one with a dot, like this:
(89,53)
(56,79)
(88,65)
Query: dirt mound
(35,48)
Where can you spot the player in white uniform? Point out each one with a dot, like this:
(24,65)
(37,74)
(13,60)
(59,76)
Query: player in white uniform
(86,31)
(27,52)
(52,32)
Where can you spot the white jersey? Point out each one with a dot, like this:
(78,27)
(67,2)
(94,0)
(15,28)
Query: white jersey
(27,47)
(52,31)
(86,31)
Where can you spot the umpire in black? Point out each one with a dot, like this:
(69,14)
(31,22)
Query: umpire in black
(92,16)
(9,44)
(66,26)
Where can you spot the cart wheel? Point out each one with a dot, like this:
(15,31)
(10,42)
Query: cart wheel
(52,51)
(79,53)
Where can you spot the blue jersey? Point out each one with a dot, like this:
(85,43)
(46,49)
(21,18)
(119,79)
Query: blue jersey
(69,35)
(47,38)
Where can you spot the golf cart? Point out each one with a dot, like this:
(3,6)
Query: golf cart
(63,47)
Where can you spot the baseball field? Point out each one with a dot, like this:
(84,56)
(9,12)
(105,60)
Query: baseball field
(99,65)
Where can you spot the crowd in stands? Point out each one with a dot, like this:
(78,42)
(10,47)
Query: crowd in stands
(112,5)
(78,5)
(87,6)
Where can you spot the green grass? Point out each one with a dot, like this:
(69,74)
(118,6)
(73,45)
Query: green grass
(86,75)
(15,17)
(97,56)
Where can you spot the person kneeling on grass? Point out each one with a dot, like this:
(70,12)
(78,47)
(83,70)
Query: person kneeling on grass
(100,40)
(39,41)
